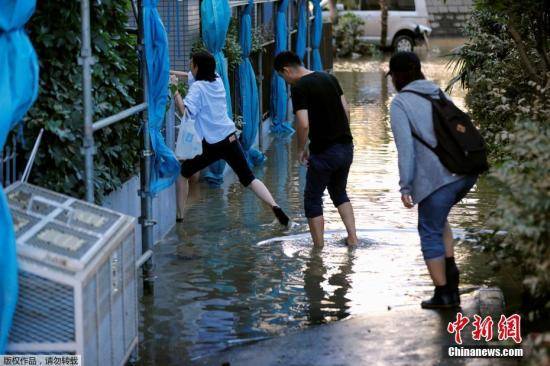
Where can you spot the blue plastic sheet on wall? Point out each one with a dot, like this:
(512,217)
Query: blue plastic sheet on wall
(249,101)
(165,167)
(279,95)
(18,90)
(317,35)
(301,35)
(215,17)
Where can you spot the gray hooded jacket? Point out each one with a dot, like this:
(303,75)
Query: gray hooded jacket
(420,171)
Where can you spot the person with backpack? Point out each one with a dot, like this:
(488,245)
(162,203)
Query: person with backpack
(322,115)
(206,104)
(440,155)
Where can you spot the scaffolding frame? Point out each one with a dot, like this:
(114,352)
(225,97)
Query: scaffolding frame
(86,60)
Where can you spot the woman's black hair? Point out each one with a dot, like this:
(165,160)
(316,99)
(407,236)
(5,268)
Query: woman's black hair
(404,78)
(206,65)
(405,68)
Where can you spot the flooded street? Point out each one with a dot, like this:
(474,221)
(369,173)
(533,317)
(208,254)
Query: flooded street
(220,282)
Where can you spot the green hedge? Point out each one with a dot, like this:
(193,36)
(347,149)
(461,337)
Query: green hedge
(55,32)
(505,66)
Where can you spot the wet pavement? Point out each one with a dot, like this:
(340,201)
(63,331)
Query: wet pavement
(217,286)
(404,336)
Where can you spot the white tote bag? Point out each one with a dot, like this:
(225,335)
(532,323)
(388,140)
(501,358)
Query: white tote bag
(188,144)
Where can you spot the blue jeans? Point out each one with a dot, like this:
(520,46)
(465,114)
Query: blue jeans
(328,169)
(432,215)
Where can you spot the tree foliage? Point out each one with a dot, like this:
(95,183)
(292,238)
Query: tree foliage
(55,32)
(505,67)
(500,89)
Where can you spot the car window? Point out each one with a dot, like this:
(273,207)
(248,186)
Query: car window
(402,5)
(351,4)
(370,5)
(373,5)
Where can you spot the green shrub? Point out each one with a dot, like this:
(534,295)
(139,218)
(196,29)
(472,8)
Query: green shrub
(500,89)
(347,35)
(55,32)
(259,36)
(232,49)
(523,209)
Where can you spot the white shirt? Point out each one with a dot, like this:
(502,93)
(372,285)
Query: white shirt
(206,104)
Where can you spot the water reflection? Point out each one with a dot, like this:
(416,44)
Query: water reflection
(326,290)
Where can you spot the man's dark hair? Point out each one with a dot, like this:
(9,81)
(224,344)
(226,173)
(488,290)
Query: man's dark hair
(405,68)
(206,65)
(286,59)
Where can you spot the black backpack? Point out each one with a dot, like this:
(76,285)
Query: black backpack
(460,147)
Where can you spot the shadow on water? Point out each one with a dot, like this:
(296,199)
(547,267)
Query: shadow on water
(215,287)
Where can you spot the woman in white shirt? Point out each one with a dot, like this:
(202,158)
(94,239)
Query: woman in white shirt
(206,104)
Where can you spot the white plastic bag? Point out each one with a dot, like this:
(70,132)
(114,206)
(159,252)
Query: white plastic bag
(188,144)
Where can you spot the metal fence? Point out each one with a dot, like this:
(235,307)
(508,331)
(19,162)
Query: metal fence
(8,162)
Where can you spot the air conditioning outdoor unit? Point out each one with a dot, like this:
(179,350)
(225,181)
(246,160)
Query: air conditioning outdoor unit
(77,278)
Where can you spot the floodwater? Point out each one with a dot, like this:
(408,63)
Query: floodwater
(217,286)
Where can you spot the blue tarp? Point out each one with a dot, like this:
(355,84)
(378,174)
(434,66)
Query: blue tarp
(18,90)
(250,103)
(279,95)
(215,17)
(165,167)
(301,36)
(317,64)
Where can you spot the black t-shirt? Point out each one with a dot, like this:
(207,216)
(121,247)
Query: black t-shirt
(320,93)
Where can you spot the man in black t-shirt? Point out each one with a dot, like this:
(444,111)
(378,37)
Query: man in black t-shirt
(322,114)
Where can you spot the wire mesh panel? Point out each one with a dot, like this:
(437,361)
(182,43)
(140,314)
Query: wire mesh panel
(130,291)
(85,216)
(89,295)
(181,19)
(45,311)
(23,197)
(22,222)
(62,240)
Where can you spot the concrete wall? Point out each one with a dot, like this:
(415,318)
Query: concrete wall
(448,18)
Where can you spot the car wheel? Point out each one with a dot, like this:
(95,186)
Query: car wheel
(403,43)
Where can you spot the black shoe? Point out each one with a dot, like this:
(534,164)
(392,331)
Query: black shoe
(442,299)
(281,216)
(453,278)
(455,295)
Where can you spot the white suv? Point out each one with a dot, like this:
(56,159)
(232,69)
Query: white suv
(408,21)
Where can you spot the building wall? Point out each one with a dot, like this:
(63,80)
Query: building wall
(182,21)
(448,18)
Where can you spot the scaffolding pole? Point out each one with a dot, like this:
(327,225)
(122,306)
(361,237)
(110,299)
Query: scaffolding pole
(146,219)
(260,82)
(86,60)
